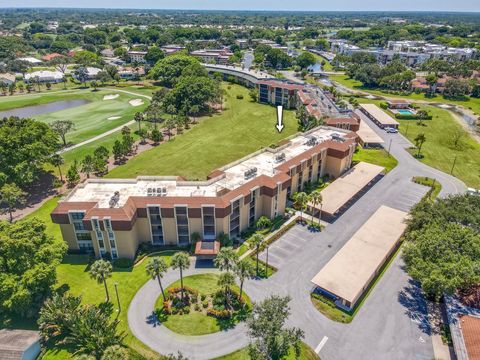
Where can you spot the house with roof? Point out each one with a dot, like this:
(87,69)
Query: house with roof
(7,78)
(19,344)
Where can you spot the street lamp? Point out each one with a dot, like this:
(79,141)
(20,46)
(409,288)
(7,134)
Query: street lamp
(115,284)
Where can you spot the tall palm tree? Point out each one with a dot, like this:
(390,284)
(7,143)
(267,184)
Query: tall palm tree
(100,271)
(419,140)
(57,161)
(255,243)
(301,200)
(181,261)
(243,270)
(226,259)
(316,198)
(226,280)
(156,268)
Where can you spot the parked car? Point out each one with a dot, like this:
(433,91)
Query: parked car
(472,191)
(391,130)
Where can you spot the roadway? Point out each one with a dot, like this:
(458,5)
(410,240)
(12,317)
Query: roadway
(391,324)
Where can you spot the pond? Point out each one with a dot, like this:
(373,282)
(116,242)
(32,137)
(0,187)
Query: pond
(30,111)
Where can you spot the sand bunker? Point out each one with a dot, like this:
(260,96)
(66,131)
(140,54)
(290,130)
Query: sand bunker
(111,97)
(114,117)
(445,106)
(136,102)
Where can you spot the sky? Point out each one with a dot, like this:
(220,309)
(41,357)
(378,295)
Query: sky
(299,5)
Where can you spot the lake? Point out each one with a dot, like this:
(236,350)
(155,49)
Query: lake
(30,111)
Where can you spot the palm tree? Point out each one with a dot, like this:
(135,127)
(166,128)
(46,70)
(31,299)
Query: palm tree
(156,268)
(243,270)
(316,198)
(419,141)
(138,118)
(255,242)
(226,259)
(180,260)
(301,200)
(100,271)
(57,160)
(226,280)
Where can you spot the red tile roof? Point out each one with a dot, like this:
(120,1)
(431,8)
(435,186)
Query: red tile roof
(51,56)
(471,335)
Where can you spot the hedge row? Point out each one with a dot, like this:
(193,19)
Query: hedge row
(412,117)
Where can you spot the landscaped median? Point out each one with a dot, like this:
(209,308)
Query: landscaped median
(206,307)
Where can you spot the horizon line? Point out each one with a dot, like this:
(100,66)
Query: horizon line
(245,10)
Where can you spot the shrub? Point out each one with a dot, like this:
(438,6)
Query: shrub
(186,309)
(220,314)
(240,97)
(197,307)
(205,304)
(384,105)
(412,117)
(123,263)
(203,297)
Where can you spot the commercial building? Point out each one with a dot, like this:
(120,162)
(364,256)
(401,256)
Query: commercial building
(116,215)
(349,273)
(378,116)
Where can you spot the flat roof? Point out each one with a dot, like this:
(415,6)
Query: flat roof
(232,175)
(17,340)
(338,193)
(368,135)
(350,271)
(470,326)
(381,116)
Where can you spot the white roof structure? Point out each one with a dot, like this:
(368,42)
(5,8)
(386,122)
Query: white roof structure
(367,135)
(348,274)
(31,60)
(44,75)
(100,190)
(344,188)
(381,116)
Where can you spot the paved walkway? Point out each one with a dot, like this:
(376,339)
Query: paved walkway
(392,323)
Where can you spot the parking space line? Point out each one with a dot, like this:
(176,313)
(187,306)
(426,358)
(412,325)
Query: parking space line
(321,344)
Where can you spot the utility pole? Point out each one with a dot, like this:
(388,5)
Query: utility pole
(406,130)
(389,146)
(453,165)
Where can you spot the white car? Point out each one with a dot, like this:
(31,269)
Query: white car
(391,130)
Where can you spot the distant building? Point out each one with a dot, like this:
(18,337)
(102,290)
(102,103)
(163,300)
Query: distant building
(51,56)
(137,56)
(19,344)
(242,43)
(91,72)
(30,60)
(213,56)
(7,78)
(130,73)
(44,76)
(277,92)
(108,53)
(172,49)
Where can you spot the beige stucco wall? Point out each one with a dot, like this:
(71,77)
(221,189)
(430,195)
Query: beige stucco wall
(69,236)
(169,226)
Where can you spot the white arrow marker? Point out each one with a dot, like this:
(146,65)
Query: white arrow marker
(279,125)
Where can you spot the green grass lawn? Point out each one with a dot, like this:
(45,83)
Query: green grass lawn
(434,185)
(439,150)
(307,353)
(90,119)
(195,323)
(73,275)
(471,103)
(242,128)
(375,156)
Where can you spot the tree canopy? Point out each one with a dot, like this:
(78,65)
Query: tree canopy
(25,146)
(28,259)
(169,69)
(442,248)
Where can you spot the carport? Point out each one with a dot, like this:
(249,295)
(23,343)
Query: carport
(349,273)
(367,137)
(344,190)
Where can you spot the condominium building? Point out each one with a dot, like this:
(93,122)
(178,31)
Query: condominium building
(137,56)
(213,56)
(116,215)
(277,92)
